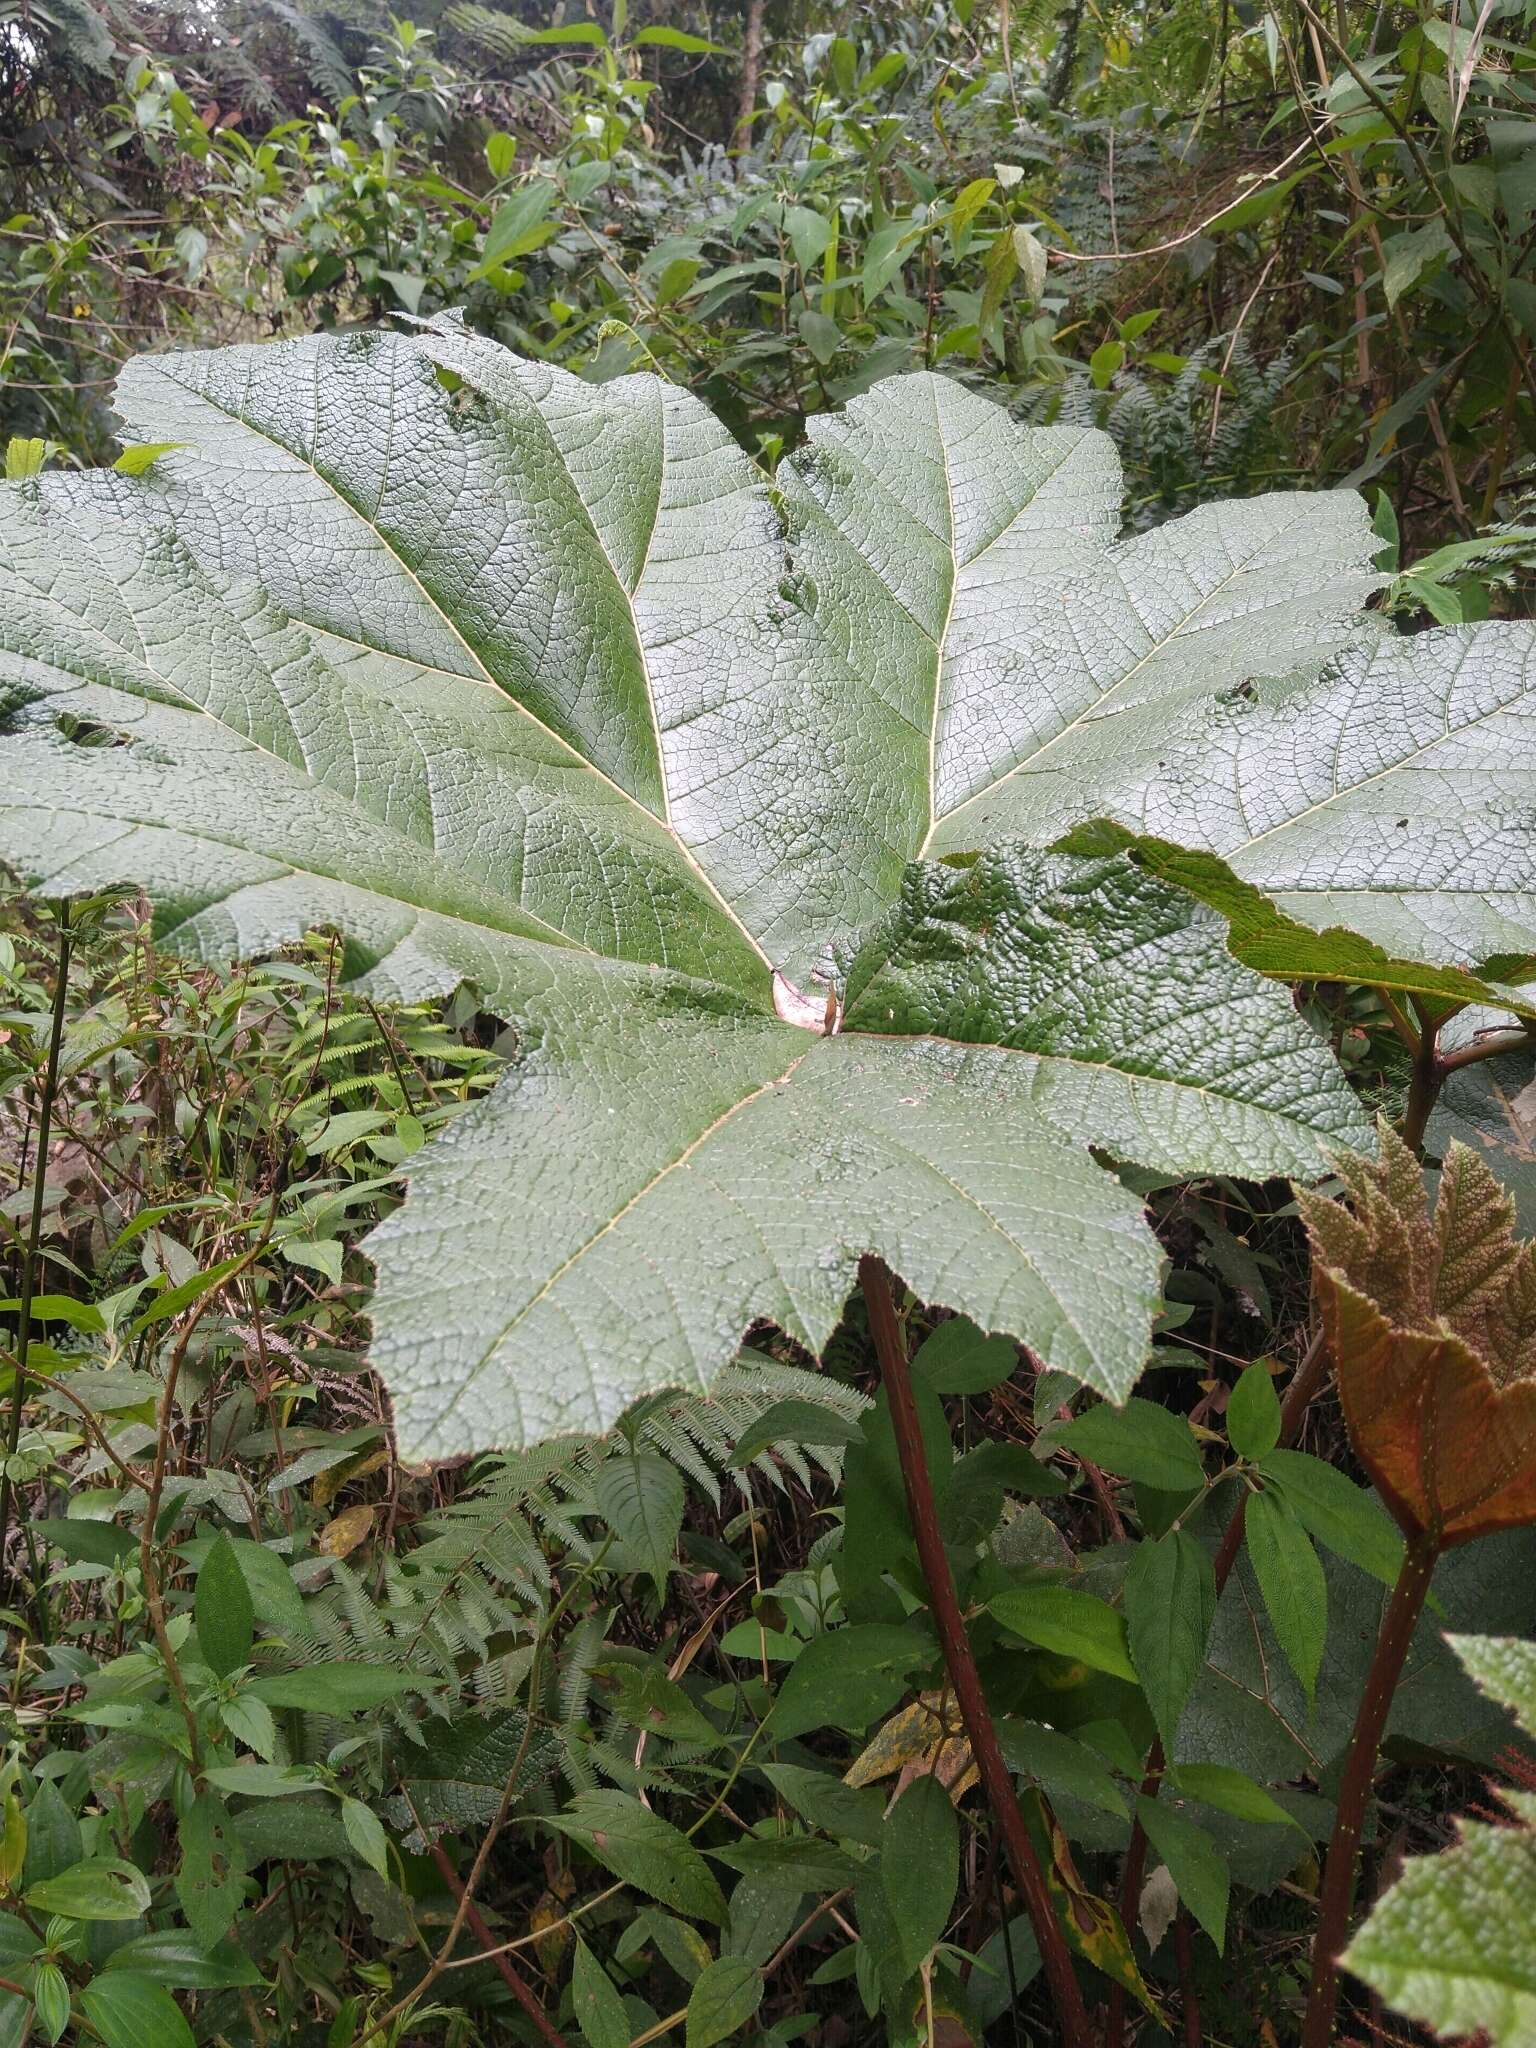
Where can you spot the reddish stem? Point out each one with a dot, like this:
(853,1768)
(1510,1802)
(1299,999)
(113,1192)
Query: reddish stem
(513,1980)
(1337,1898)
(1184,1955)
(944,1604)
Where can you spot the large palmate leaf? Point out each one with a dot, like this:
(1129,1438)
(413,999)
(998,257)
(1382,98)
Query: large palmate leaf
(1394,795)
(514,680)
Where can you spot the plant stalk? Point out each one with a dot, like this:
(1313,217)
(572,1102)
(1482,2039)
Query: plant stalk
(1028,1871)
(515,1982)
(1337,1898)
(29,1262)
(1424,1088)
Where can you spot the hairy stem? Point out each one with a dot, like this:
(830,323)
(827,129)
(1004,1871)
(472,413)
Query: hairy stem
(1337,1897)
(1028,1872)
(1424,1088)
(29,1257)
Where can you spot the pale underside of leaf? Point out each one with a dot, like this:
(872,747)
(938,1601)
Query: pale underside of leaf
(1394,795)
(1450,1943)
(516,681)
(679,1184)
(949,620)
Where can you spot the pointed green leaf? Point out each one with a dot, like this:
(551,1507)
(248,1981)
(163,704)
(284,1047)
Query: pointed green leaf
(725,1997)
(920,1866)
(640,1496)
(209,1880)
(1291,1581)
(644,1850)
(98,1888)
(597,2003)
(1071,1624)
(848,1677)
(1194,1863)
(1170,1603)
(129,2011)
(226,1617)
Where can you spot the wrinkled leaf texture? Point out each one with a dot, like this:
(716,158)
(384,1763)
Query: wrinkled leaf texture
(515,680)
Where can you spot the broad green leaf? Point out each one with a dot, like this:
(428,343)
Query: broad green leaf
(1346,1518)
(1194,1863)
(1170,1603)
(184,1964)
(647,1698)
(53,1835)
(848,1677)
(640,1496)
(458,1780)
(208,1881)
(129,2011)
(798,1422)
(86,1541)
(1504,1667)
(959,1359)
(644,1850)
(847,1812)
(597,2002)
(725,1997)
(530,683)
(1141,1441)
(1291,1581)
(98,1888)
(338,1688)
(1253,1412)
(920,1866)
(366,1834)
(1450,1944)
(1061,1765)
(1231,1791)
(226,1617)
(1072,1624)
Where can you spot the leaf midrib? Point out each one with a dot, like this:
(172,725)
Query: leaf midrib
(1092,713)
(483,674)
(612,1222)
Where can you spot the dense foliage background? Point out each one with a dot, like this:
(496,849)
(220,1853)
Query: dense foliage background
(1293,246)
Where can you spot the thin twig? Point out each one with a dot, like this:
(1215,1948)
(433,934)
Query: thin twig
(29,1257)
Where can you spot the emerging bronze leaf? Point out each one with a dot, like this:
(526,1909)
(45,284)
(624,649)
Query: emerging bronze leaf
(1431,1321)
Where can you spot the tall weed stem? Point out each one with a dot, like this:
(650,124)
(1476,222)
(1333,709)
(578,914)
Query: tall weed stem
(1028,1872)
(1337,1897)
(27,1288)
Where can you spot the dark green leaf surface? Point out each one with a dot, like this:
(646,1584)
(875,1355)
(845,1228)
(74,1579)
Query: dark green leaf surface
(644,1850)
(920,1865)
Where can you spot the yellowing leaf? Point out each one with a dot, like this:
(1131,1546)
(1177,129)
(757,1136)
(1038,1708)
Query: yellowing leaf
(329,1483)
(340,1537)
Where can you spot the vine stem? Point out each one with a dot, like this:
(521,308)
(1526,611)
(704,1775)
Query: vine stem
(29,1260)
(1337,1897)
(944,1603)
